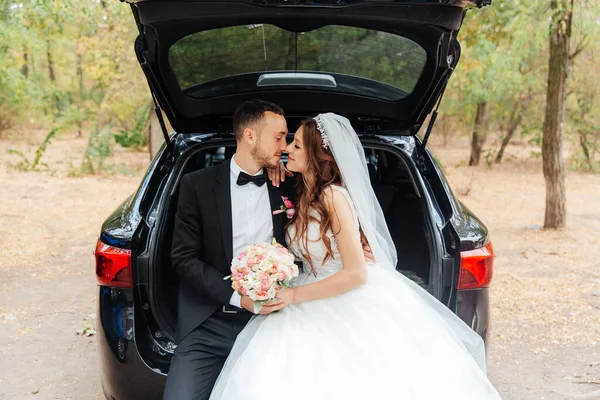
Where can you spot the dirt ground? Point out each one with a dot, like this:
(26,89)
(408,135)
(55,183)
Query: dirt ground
(545,340)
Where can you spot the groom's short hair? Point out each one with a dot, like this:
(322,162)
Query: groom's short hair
(250,113)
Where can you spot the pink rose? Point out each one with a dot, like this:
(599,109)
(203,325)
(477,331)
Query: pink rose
(236,286)
(290,213)
(265,276)
(266,267)
(282,275)
(288,203)
(262,295)
(241,255)
(246,271)
(282,252)
(243,290)
(265,285)
(250,261)
(239,276)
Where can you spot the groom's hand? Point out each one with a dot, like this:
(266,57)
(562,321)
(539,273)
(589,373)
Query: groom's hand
(247,303)
(278,174)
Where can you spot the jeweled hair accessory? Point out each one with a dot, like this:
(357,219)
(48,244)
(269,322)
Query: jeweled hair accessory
(321,129)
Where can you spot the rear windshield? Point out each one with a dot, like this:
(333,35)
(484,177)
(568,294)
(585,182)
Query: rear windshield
(335,58)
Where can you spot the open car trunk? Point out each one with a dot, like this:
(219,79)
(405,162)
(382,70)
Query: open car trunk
(391,178)
(389,60)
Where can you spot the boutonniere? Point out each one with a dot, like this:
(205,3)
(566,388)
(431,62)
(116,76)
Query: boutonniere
(287,207)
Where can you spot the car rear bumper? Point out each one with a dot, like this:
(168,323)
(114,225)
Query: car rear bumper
(473,307)
(124,375)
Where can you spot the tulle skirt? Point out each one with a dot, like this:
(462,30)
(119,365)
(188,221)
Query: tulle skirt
(389,339)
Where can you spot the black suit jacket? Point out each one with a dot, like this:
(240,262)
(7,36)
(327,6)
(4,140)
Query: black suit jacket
(203,242)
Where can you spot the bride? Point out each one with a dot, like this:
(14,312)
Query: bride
(352,327)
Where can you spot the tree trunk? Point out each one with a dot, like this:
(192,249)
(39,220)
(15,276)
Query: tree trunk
(479,132)
(583,134)
(513,123)
(585,148)
(80,79)
(50,63)
(445,130)
(558,71)
(25,66)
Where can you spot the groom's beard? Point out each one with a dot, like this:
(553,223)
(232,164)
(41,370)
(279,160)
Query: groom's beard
(264,160)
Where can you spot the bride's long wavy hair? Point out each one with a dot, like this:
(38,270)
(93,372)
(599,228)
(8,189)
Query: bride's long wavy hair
(321,171)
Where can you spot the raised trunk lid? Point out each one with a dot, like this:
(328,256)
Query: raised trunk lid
(203,58)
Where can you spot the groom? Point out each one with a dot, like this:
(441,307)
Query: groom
(221,210)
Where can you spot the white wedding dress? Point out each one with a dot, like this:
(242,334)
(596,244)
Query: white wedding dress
(389,339)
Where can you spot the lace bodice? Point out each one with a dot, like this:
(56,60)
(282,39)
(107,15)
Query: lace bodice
(317,248)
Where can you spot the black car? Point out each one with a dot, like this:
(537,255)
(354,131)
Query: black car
(383,64)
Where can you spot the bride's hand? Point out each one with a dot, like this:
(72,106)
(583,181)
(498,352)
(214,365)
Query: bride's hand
(267,308)
(287,296)
(278,174)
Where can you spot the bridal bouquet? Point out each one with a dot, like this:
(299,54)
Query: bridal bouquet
(261,270)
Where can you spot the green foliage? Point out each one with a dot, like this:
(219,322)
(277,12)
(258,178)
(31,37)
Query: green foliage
(504,63)
(71,64)
(135,138)
(583,102)
(34,165)
(585,135)
(213,54)
(501,62)
(490,154)
(95,157)
(98,150)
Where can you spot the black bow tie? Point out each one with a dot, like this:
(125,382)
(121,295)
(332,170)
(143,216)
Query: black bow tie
(244,179)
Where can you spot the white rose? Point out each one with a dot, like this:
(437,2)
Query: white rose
(252,294)
(253,280)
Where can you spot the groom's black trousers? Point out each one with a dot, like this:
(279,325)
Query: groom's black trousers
(200,355)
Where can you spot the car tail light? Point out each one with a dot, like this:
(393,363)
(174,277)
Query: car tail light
(476,268)
(113,266)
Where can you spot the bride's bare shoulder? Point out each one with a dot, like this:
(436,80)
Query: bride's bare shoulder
(336,201)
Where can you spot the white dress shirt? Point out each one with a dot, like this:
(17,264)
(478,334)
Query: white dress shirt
(251,217)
